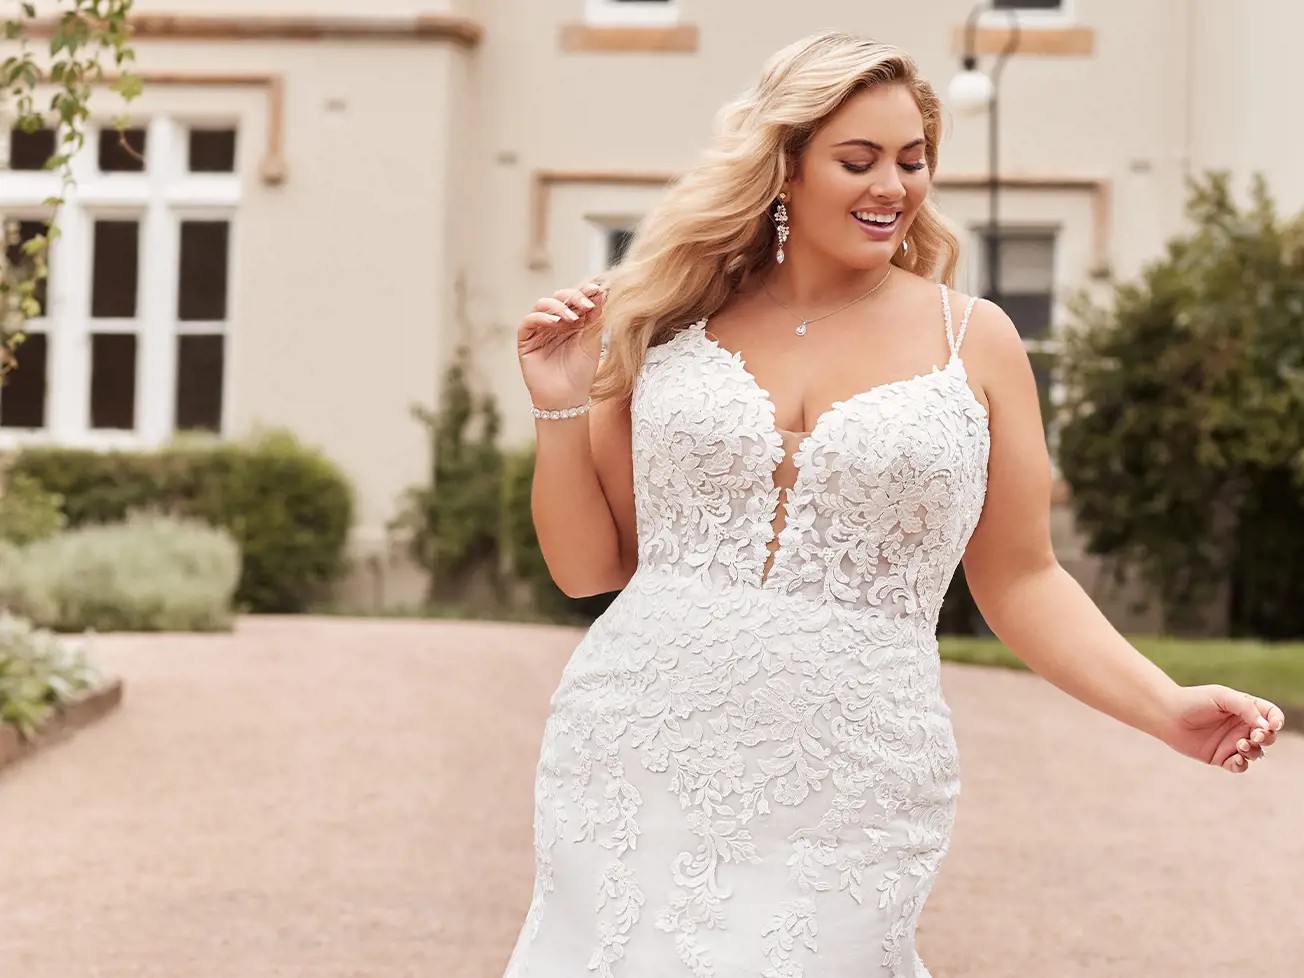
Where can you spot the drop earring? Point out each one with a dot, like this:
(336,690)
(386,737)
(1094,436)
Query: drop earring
(905,247)
(781,224)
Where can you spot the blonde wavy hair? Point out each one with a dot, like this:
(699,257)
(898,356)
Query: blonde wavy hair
(711,231)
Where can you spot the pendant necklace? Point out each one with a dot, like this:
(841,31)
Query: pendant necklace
(805,322)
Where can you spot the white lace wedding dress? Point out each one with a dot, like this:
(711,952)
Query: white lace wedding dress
(751,773)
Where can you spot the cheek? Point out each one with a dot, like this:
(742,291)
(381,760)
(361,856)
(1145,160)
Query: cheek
(917,188)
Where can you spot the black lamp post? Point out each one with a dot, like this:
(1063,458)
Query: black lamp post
(972,91)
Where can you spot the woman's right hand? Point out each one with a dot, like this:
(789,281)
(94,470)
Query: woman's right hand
(558,343)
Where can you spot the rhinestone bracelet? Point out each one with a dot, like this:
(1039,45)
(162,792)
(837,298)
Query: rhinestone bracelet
(569,412)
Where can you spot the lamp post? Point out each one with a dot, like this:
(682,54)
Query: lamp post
(970,92)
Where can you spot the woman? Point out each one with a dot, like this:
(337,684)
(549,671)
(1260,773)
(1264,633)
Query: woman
(749,767)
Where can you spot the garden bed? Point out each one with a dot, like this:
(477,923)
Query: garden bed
(72,716)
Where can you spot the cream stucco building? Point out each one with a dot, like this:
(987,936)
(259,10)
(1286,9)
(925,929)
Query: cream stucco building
(336,193)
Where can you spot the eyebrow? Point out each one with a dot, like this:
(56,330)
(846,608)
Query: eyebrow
(876,146)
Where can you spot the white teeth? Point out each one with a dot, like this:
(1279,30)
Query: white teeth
(875,218)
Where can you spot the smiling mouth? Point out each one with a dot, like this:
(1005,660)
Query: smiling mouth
(882,222)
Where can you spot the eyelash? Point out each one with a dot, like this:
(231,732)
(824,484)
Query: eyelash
(854,168)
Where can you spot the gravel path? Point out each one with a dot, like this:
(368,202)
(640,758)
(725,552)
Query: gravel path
(329,798)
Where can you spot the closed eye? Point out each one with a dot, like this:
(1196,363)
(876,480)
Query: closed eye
(864,167)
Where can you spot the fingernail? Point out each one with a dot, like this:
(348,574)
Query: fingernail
(1242,745)
(572,315)
(586,303)
(555,319)
(1257,736)
(1263,722)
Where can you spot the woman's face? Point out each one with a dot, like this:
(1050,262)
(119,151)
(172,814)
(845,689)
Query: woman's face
(861,180)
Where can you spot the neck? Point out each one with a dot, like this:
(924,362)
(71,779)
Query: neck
(812,282)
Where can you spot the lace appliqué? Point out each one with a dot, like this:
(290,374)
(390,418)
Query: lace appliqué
(786,733)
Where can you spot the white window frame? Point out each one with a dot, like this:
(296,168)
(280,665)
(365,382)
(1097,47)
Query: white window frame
(1062,17)
(632,13)
(161,196)
(44,323)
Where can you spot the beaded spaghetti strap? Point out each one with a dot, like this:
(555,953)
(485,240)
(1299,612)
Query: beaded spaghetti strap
(952,340)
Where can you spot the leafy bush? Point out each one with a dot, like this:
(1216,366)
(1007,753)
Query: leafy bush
(1182,433)
(472,524)
(38,673)
(150,573)
(288,507)
(451,522)
(28,512)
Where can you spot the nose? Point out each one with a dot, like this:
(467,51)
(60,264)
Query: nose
(889,189)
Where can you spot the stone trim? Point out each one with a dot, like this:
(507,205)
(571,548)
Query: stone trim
(544,180)
(244,27)
(1055,41)
(676,39)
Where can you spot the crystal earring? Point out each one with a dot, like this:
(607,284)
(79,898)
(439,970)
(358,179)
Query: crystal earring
(781,223)
(905,247)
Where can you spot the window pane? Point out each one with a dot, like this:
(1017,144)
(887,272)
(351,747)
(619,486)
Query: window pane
(116,158)
(618,243)
(30,150)
(114,281)
(113,380)
(1026,282)
(200,362)
(212,151)
(18,233)
(202,292)
(1030,313)
(22,398)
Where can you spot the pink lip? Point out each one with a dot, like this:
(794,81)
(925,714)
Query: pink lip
(877,233)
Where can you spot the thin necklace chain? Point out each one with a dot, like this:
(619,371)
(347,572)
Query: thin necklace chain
(805,322)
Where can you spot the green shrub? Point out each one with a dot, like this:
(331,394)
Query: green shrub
(1182,425)
(38,673)
(288,507)
(28,512)
(150,573)
(471,526)
(451,522)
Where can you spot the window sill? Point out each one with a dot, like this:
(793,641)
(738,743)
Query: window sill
(677,39)
(1063,41)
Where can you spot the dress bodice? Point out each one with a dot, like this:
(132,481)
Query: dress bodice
(877,502)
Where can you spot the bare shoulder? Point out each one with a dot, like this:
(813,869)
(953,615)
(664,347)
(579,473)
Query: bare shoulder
(992,349)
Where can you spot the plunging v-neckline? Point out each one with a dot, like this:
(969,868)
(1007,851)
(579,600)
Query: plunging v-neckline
(784,495)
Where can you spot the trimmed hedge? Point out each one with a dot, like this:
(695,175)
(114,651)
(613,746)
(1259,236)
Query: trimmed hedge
(150,573)
(288,507)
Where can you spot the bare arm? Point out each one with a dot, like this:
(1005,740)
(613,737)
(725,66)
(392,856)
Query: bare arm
(1030,601)
(583,500)
(582,497)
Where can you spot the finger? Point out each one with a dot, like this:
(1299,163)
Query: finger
(1251,751)
(1242,705)
(1236,764)
(575,299)
(535,330)
(1276,718)
(1265,737)
(540,320)
(557,308)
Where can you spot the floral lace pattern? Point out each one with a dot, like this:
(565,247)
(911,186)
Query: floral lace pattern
(748,773)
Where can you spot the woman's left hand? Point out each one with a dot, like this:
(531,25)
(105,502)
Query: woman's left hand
(1223,726)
